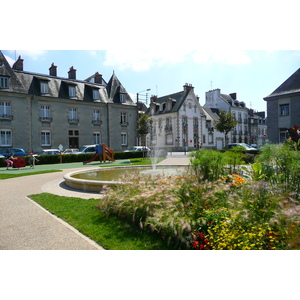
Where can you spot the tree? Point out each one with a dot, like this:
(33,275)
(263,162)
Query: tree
(143,128)
(225,123)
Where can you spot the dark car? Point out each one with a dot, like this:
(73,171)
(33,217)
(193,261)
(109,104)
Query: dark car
(16,151)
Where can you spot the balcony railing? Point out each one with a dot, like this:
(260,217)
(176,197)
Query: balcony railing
(46,119)
(73,121)
(124,124)
(96,122)
(168,127)
(6,117)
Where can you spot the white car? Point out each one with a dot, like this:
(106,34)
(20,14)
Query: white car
(50,152)
(86,149)
(138,148)
(70,151)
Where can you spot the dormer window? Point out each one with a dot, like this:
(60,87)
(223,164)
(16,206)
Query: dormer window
(122,98)
(44,87)
(96,94)
(72,91)
(4,82)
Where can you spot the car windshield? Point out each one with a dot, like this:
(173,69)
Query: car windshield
(81,149)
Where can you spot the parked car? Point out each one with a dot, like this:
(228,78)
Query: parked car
(138,148)
(16,151)
(70,151)
(50,152)
(253,146)
(86,149)
(233,145)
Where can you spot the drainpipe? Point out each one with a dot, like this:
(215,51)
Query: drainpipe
(108,128)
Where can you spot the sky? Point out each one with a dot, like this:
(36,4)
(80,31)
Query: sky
(252,74)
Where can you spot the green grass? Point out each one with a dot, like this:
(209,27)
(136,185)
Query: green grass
(110,232)
(8,176)
(143,161)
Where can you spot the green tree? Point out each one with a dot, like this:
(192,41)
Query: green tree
(225,123)
(143,128)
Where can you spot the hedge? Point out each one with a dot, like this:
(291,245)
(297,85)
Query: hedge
(70,158)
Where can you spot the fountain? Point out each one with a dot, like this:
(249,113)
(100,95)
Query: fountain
(94,180)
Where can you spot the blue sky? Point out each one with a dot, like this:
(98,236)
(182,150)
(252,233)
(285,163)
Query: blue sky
(252,74)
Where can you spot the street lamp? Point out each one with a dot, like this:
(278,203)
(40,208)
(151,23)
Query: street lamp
(137,108)
(137,95)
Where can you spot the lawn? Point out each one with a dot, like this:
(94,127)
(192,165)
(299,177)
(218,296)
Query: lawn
(110,232)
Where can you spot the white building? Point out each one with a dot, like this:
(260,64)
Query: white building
(177,121)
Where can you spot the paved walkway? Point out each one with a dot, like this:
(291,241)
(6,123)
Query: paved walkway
(25,225)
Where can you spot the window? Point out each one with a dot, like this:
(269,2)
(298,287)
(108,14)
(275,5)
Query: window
(124,118)
(44,87)
(45,113)
(96,115)
(46,138)
(72,91)
(73,115)
(122,98)
(5,111)
(96,94)
(97,138)
(284,109)
(124,139)
(5,137)
(4,82)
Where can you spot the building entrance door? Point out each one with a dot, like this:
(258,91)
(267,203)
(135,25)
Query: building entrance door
(73,139)
(73,142)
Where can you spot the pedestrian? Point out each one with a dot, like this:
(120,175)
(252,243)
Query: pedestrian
(32,159)
(9,161)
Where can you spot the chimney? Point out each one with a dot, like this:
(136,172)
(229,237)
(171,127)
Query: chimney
(72,73)
(52,70)
(233,96)
(187,87)
(98,78)
(18,65)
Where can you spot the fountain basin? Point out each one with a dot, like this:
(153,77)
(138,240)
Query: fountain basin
(94,180)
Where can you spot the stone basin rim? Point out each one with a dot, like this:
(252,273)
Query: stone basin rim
(97,185)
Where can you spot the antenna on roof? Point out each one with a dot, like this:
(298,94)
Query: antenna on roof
(156,91)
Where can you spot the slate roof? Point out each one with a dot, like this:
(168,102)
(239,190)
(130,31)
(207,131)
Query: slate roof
(235,103)
(6,70)
(213,113)
(177,101)
(115,88)
(58,87)
(289,87)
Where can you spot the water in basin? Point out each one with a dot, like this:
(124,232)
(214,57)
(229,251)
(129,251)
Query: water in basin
(114,174)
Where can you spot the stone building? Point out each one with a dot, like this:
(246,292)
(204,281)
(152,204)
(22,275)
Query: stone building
(283,108)
(39,111)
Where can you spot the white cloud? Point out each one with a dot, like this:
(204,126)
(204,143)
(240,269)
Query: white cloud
(142,60)
(231,57)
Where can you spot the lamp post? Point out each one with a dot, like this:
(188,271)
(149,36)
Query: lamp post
(137,96)
(137,108)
